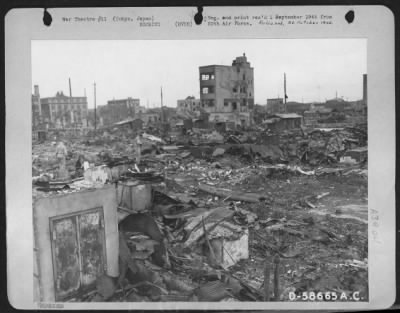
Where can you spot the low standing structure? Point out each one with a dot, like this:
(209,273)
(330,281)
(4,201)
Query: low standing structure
(279,122)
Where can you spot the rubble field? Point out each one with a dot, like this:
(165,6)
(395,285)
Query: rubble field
(232,218)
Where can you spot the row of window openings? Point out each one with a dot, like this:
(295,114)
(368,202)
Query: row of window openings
(207,76)
(186,105)
(211,76)
(59,108)
(79,113)
(68,100)
(68,107)
(75,112)
(207,90)
(240,89)
(226,103)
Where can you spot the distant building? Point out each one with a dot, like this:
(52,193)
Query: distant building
(284,121)
(165,115)
(312,117)
(275,105)
(336,104)
(260,112)
(140,109)
(119,110)
(123,108)
(60,111)
(190,104)
(150,118)
(227,92)
(297,107)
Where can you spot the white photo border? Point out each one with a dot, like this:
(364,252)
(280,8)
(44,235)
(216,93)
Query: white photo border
(375,23)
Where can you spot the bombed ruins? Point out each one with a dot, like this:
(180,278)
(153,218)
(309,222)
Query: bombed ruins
(218,199)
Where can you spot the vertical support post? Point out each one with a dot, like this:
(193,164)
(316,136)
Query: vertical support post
(95,115)
(267,276)
(284,91)
(276,277)
(162,107)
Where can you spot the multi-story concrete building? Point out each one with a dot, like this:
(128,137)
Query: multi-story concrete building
(227,92)
(61,111)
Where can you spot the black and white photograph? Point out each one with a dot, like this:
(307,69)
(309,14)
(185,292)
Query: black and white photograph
(202,170)
(237,173)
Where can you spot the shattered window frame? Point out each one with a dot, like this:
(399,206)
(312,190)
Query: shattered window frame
(54,249)
(207,76)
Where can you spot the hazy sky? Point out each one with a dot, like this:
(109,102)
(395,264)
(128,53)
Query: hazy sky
(315,68)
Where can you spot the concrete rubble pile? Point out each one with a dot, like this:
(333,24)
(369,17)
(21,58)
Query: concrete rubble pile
(207,216)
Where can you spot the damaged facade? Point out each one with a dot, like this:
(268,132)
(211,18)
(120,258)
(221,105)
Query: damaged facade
(227,92)
(190,104)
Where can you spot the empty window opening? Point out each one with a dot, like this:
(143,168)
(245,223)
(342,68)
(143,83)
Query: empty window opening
(206,90)
(207,76)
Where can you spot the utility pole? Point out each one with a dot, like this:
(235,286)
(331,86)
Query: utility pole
(95,116)
(284,90)
(70,89)
(70,104)
(162,109)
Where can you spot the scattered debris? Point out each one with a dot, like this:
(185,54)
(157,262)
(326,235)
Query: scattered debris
(224,216)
